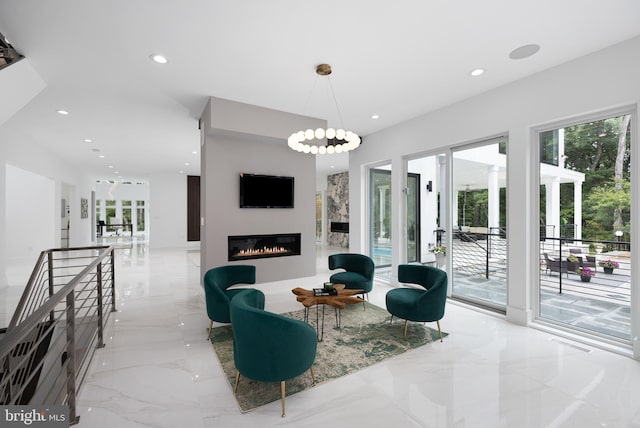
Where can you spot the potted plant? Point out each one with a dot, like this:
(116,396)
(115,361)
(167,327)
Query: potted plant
(609,265)
(585,273)
(440,252)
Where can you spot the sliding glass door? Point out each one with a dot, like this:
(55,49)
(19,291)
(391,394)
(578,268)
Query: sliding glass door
(585,226)
(479,240)
(380,216)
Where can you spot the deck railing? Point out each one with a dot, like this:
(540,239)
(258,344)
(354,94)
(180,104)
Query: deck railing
(563,275)
(482,254)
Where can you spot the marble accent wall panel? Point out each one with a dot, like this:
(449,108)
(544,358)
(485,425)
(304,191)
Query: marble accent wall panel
(337,207)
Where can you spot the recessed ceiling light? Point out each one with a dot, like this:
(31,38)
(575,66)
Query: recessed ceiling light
(375,116)
(101,156)
(110,166)
(62,112)
(477,72)
(116,172)
(160,59)
(186,164)
(194,152)
(524,51)
(181,172)
(88,140)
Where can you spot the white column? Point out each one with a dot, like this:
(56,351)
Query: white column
(494,197)
(577,208)
(442,182)
(553,206)
(454,209)
(561,158)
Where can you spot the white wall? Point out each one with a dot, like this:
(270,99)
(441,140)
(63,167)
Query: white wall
(119,191)
(23,235)
(19,84)
(20,152)
(428,169)
(167,210)
(239,138)
(602,80)
(29,209)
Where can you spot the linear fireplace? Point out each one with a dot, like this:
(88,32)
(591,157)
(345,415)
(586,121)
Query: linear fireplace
(248,247)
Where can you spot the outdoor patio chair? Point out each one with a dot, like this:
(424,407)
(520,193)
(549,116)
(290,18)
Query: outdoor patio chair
(553,265)
(590,262)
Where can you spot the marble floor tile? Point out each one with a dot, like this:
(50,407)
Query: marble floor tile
(158,370)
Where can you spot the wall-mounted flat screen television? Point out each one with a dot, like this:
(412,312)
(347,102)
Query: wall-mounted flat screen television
(266,191)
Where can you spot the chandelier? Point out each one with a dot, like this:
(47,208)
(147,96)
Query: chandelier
(337,140)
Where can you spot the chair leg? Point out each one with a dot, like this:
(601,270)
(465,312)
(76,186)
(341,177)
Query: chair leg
(235,387)
(391,321)
(440,331)
(282,392)
(209,331)
(313,378)
(406,324)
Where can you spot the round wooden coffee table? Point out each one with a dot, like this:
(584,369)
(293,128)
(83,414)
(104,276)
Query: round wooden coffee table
(338,301)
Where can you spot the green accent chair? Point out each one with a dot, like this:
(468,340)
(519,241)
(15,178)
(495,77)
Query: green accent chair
(269,347)
(216,293)
(359,270)
(414,304)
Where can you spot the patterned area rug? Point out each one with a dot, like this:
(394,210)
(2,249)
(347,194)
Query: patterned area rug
(365,337)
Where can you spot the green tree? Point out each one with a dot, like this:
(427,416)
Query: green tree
(599,149)
(603,201)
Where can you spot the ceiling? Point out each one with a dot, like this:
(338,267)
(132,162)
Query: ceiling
(396,59)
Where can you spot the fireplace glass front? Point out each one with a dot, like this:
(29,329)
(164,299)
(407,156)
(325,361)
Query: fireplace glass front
(247,247)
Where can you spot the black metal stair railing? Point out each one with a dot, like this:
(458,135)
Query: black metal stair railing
(58,323)
(8,54)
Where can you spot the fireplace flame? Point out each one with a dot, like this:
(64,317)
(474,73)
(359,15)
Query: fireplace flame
(261,251)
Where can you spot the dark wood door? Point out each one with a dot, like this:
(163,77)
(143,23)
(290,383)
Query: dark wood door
(193,208)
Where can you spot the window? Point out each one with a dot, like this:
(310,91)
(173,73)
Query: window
(126,212)
(549,147)
(585,224)
(110,212)
(140,215)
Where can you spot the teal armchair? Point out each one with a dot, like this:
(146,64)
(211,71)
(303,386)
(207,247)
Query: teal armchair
(217,296)
(269,347)
(413,304)
(358,274)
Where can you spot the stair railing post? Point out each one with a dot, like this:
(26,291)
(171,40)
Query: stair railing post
(71,357)
(50,276)
(100,303)
(113,281)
